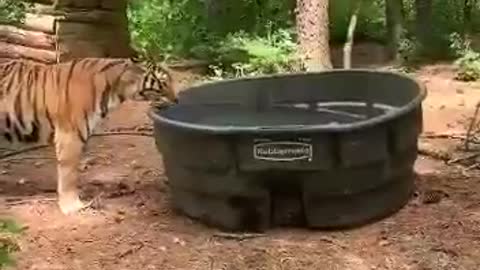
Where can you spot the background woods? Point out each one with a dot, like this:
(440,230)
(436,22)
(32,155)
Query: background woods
(226,38)
(253,37)
(271,36)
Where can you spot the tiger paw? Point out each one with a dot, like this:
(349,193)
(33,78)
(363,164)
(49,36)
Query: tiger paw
(71,204)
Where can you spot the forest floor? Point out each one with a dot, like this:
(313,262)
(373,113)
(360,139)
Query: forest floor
(137,229)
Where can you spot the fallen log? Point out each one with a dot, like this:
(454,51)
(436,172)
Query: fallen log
(18,51)
(45,2)
(40,22)
(18,36)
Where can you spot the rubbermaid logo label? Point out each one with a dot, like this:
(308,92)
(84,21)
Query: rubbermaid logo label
(282,151)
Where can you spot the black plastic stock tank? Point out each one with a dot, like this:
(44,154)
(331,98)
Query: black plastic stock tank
(323,150)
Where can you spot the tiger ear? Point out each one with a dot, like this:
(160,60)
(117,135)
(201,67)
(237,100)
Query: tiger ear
(163,65)
(139,58)
(136,59)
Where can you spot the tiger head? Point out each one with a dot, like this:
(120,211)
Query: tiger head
(150,82)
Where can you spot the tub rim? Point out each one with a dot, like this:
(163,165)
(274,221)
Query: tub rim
(154,114)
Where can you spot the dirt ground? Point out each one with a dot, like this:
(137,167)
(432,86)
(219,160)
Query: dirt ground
(136,229)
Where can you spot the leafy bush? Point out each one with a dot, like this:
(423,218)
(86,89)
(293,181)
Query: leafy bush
(182,28)
(468,60)
(12,11)
(408,50)
(160,27)
(243,44)
(447,18)
(8,245)
(469,66)
(241,54)
(251,36)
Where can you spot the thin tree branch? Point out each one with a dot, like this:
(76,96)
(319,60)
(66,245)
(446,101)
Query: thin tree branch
(347,49)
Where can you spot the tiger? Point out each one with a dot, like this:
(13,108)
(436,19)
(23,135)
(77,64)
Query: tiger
(60,105)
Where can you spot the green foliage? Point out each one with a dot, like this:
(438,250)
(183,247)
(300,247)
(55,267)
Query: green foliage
(255,36)
(408,49)
(12,11)
(10,226)
(250,36)
(8,230)
(469,66)
(162,27)
(468,60)
(251,16)
(447,18)
(370,25)
(240,54)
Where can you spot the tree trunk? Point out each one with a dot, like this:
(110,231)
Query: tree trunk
(424,22)
(467,15)
(213,9)
(347,48)
(313,34)
(394,14)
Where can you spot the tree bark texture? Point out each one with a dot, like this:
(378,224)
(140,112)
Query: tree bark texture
(424,22)
(313,34)
(394,15)
(467,15)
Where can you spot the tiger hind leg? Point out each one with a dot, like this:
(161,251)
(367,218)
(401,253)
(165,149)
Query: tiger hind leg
(69,149)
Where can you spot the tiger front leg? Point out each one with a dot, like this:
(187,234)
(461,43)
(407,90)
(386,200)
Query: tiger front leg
(69,149)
